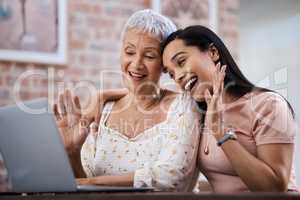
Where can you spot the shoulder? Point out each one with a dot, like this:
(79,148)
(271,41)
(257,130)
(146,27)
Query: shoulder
(183,105)
(271,109)
(168,96)
(267,101)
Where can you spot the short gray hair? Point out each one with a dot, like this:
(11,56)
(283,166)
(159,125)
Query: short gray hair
(149,21)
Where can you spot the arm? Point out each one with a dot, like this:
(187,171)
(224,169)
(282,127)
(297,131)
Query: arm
(274,131)
(121,180)
(77,167)
(269,171)
(94,112)
(73,122)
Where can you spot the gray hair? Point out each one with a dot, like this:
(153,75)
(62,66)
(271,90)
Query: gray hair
(149,21)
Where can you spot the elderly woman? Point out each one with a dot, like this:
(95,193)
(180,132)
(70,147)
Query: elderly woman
(148,137)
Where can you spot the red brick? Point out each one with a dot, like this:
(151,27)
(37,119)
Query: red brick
(99,23)
(94,29)
(76,44)
(80,7)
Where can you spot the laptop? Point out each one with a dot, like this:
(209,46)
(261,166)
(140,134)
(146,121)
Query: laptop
(34,154)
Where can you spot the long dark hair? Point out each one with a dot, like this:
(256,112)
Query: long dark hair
(202,38)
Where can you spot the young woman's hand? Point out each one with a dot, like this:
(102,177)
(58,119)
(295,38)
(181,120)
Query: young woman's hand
(102,97)
(214,115)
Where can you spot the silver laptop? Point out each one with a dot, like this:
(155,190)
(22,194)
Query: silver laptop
(34,154)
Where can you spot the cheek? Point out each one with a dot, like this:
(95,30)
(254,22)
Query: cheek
(125,62)
(205,75)
(154,68)
(203,70)
(198,95)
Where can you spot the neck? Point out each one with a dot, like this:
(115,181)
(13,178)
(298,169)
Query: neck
(229,98)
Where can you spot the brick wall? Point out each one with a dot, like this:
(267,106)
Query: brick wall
(94,28)
(229,25)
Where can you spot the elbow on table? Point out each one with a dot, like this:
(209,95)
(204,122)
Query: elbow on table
(279,185)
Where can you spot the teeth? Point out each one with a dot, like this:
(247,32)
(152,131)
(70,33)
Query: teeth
(136,75)
(189,83)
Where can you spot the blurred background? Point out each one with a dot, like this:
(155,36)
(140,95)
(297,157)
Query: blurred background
(81,39)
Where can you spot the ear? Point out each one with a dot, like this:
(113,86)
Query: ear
(213,53)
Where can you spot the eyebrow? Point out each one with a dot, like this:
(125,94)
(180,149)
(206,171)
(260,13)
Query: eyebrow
(152,48)
(177,54)
(131,44)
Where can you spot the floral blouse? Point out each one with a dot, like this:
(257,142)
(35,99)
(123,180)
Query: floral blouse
(163,157)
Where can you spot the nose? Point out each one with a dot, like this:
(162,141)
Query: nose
(138,62)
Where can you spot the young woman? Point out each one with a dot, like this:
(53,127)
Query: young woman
(249,132)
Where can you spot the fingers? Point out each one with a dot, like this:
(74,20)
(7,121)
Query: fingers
(83,125)
(98,113)
(77,106)
(83,130)
(222,78)
(215,78)
(94,127)
(207,96)
(68,101)
(222,73)
(61,105)
(56,113)
(99,108)
(218,79)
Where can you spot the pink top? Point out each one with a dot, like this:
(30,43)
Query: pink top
(258,118)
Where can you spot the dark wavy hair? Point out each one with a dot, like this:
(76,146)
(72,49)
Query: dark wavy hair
(202,38)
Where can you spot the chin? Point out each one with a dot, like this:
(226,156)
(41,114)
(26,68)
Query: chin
(198,98)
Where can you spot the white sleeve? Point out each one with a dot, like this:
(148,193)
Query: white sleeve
(175,165)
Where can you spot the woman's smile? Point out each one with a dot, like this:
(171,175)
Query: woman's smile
(136,76)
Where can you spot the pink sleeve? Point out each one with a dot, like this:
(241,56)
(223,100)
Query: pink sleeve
(273,121)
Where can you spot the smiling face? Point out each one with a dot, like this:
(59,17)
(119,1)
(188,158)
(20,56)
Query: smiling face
(190,68)
(140,61)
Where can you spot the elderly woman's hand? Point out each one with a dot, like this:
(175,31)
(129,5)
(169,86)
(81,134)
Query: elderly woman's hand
(73,127)
(73,124)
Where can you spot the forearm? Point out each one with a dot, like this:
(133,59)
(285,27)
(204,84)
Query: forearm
(121,180)
(113,94)
(75,162)
(256,174)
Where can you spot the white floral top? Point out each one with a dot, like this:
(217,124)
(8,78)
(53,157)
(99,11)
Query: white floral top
(163,157)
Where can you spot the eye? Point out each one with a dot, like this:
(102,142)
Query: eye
(150,56)
(181,61)
(171,75)
(130,53)
(129,50)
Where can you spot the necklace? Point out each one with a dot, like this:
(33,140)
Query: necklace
(206,148)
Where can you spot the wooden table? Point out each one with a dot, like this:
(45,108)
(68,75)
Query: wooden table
(153,196)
